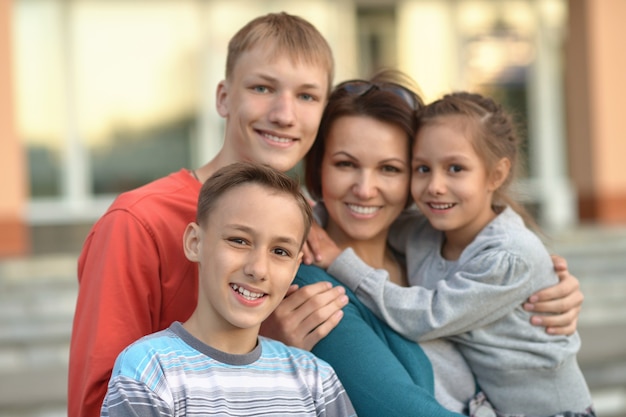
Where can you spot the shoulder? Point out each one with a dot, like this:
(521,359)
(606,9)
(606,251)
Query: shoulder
(310,274)
(508,246)
(146,353)
(508,233)
(298,358)
(159,205)
(177,186)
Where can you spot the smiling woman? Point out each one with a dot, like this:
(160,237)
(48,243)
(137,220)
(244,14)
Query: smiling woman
(362,190)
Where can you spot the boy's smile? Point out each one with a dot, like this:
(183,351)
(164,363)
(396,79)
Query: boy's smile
(273,107)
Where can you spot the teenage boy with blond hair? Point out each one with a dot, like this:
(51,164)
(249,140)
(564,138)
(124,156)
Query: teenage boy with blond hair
(247,241)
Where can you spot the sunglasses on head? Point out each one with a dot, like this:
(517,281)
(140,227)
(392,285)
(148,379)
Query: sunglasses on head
(362,87)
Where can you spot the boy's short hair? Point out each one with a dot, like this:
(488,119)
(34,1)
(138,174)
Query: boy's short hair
(283,34)
(242,173)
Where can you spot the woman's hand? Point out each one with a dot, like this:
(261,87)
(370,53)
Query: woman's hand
(306,315)
(563,300)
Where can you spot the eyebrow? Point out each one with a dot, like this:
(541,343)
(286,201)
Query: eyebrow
(344,153)
(271,78)
(280,239)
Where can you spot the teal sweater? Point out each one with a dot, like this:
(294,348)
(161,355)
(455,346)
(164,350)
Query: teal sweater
(384,374)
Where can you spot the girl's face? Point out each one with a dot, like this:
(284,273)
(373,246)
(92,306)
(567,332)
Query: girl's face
(450,183)
(365,178)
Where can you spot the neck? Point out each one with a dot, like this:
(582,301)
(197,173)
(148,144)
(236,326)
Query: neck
(226,338)
(373,251)
(205,171)
(457,240)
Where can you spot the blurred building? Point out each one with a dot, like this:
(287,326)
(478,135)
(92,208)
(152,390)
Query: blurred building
(100,96)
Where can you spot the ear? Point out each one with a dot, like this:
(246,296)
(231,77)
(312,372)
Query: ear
(499,174)
(221,95)
(191,242)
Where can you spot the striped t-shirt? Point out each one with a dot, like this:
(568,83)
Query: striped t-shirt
(171,373)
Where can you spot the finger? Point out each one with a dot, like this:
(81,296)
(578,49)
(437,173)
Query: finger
(319,315)
(564,319)
(307,254)
(563,330)
(562,324)
(322,330)
(303,294)
(303,312)
(313,240)
(308,307)
(292,288)
(567,286)
(560,264)
(555,306)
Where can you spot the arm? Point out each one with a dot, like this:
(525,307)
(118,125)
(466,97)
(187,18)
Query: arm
(488,287)
(563,301)
(383,373)
(118,282)
(129,398)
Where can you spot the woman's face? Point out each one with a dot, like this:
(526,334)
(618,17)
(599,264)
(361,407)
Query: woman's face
(365,178)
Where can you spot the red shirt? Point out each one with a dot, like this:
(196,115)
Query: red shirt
(134,279)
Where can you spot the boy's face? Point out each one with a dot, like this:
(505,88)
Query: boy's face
(273,108)
(248,254)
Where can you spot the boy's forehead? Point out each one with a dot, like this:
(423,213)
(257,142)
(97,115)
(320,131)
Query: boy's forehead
(259,210)
(267,53)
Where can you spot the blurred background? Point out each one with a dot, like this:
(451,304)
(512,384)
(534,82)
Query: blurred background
(100,96)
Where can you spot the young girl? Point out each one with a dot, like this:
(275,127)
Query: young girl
(472,264)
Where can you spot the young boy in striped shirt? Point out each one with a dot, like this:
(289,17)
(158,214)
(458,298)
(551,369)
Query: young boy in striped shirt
(251,224)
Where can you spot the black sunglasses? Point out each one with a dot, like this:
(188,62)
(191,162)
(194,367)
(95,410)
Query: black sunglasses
(361,87)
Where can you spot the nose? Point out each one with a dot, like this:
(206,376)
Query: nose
(283,111)
(436,184)
(256,266)
(365,186)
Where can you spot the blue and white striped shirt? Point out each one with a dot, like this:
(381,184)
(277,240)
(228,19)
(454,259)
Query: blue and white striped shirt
(171,373)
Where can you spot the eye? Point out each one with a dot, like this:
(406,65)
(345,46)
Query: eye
(455,168)
(422,169)
(344,164)
(239,241)
(261,89)
(282,252)
(308,97)
(391,169)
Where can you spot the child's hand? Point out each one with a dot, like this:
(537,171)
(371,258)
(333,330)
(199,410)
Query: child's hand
(319,249)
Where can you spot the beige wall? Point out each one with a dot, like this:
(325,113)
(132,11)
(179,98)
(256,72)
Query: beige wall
(13,230)
(596,93)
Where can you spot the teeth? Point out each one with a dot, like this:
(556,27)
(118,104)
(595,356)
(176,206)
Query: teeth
(245,293)
(276,138)
(441,206)
(363,209)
